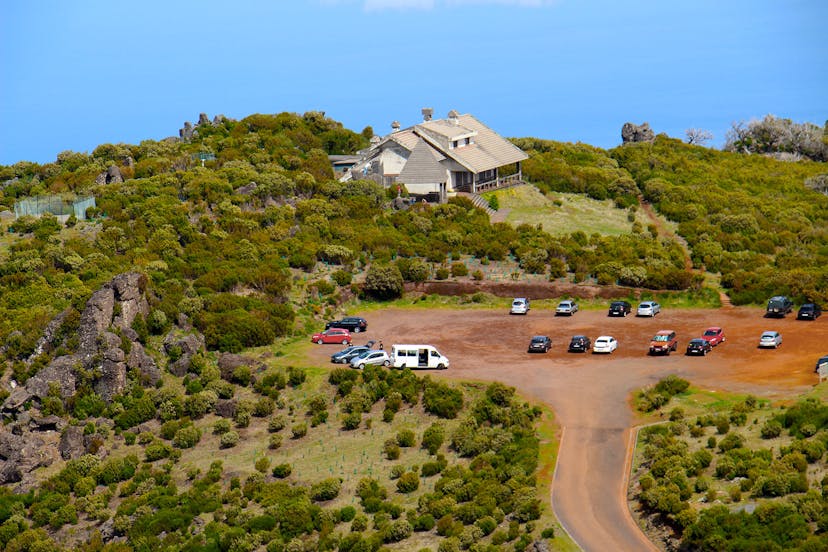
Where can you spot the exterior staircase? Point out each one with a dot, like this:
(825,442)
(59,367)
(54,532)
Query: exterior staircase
(478,202)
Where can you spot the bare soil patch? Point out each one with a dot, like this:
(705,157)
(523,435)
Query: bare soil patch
(590,393)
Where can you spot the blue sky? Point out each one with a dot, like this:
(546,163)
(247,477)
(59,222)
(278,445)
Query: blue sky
(77,74)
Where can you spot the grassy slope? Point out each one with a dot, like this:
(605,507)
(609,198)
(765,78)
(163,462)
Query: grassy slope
(526,204)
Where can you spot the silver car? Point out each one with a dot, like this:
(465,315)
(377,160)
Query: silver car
(369,358)
(648,308)
(770,339)
(567,308)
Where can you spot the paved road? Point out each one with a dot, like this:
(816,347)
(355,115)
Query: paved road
(590,394)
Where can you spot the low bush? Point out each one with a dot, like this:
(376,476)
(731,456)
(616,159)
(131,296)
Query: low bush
(229,439)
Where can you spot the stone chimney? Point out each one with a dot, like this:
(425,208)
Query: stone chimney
(452,117)
(395,126)
(427,114)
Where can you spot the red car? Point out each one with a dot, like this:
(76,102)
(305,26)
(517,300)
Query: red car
(714,335)
(333,335)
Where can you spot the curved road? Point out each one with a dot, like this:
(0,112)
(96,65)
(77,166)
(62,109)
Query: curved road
(590,393)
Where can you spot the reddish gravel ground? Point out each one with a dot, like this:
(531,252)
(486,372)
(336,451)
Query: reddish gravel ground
(590,393)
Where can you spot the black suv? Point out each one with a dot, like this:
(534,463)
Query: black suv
(620,308)
(809,311)
(580,344)
(353,324)
(779,306)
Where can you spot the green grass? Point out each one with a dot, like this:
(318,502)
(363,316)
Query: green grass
(561,213)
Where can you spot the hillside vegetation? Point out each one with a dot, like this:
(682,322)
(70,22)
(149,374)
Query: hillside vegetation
(741,474)
(760,222)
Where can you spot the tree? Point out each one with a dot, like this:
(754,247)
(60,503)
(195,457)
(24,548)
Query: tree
(384,282)
(698,136)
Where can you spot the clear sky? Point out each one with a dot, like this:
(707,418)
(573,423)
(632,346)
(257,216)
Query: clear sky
(76,74)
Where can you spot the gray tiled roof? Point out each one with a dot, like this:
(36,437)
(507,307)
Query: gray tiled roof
(423,166)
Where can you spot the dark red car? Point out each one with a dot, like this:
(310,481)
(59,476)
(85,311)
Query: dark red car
(714,335)
(332,335)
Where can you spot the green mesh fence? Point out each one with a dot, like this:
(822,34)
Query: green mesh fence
(55,204)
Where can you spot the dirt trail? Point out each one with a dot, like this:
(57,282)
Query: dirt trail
(589,393)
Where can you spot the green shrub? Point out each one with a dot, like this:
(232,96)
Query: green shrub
(408,482)
(391,449)
(459,269)
(433,437)
(383,282)
(397,531)
(424,522)
(229,439)
(441,273)
(299,430)
(221,426)
(771,429)
(342,277)
(280,471)
(276,423)
(441,400)
(187,437)
(731,441)
(157,451)
(406,438)
(129,437)
(327,489)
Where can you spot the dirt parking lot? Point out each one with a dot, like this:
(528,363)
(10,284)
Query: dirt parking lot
(590,393)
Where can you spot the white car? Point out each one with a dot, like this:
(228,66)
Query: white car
(520,305)
(770,339)
(648,308)
(566,308)
(368,358)
(605,344)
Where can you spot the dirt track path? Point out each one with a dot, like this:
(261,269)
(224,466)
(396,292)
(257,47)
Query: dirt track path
(589,394)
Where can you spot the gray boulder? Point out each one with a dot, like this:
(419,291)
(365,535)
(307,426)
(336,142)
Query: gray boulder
(61,371)
(129,292)
(47,423)
(226,408)
(634,133)
(228,362)
(113,378)
(144,364)
(71,443)
(95,318)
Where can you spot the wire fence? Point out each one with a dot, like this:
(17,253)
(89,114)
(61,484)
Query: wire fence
(54,204)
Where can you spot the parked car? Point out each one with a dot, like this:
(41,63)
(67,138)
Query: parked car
(540,344)
(520,305)
(714,335)
(770,339)
(809,311)
(822,362)
(345,355)
(371,358)
(698,346)
(648,308)
(778,306)
(663,342)
(579,344)
(620,308)
(353,324)
(605,344)
(567,308)
(332,335)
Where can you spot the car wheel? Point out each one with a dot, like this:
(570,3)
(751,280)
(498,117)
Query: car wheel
(344,341)
(319,341)
(357,330)
(386,363)
(361,366)
(402,366)
(441,367)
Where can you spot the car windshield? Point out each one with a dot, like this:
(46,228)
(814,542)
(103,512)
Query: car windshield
(768,335)
(518,303)
(538,339)
(711,332)
(697,341)
(661,338)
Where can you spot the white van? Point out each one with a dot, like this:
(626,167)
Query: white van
(417,356)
